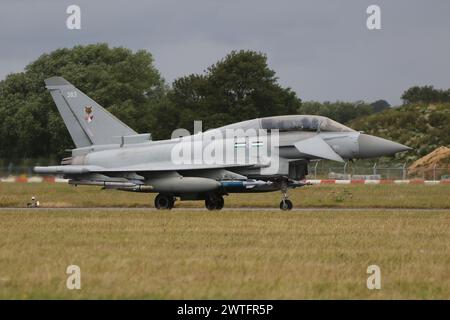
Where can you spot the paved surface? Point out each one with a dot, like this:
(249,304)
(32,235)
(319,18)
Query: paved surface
(143,209)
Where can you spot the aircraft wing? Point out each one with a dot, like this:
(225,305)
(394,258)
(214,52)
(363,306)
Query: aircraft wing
(154,167)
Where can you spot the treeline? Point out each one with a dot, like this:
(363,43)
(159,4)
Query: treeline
(124,82)
(422,126)
(343,111)
(240,86)
(425,94)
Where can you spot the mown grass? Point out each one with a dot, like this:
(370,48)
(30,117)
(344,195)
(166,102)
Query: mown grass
(345,196)
(227,254)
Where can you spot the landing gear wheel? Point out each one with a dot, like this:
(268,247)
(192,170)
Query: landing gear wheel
(164,202)
(286,205)
(210,205)
(214,203)
(220,203)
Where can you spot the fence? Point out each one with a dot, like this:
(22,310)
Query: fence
(12,170)
(349,171)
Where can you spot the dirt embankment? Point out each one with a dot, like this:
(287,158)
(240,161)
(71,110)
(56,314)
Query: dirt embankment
(439,158)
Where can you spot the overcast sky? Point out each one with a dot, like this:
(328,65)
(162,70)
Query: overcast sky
(321,49)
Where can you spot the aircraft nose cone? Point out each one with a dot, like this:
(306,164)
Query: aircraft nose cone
(371,146)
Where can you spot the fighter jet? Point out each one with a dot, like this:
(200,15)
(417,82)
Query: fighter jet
(258,155)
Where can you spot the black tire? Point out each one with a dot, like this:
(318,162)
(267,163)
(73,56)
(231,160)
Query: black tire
(286,205)
(214,203)
(220,203)
(164,202)
(210,205)
(172,202)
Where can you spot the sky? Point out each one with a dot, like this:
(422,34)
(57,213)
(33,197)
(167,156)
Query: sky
(322,50)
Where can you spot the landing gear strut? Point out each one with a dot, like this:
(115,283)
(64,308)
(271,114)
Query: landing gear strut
(285,203)
(164,201)
(214,202)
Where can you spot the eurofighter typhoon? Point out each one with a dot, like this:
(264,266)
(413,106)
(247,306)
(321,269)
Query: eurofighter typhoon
(259,155)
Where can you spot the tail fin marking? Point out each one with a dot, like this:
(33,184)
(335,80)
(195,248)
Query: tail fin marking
(88,122)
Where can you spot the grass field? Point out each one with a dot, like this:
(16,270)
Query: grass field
(230,255)
(345,196)
(186,254)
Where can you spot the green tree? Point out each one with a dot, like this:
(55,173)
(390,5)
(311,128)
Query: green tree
(422,127)
(380,105)
(124,82)
(340,111)
(425,94)
(239,87)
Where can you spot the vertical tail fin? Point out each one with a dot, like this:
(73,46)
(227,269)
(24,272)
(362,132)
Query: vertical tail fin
(88,123)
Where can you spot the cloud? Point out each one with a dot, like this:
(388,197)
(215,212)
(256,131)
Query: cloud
(321,49)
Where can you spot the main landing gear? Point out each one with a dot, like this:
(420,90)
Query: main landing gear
(167,201)
(214,202)
(164,201)
(285,203)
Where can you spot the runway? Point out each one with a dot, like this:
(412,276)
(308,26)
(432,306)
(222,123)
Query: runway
(250,209)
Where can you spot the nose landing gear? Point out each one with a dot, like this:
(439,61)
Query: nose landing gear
(285,203)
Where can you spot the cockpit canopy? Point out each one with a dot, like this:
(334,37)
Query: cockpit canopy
(292,123)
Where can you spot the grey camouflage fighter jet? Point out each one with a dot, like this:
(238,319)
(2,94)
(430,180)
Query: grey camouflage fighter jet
(261,155)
